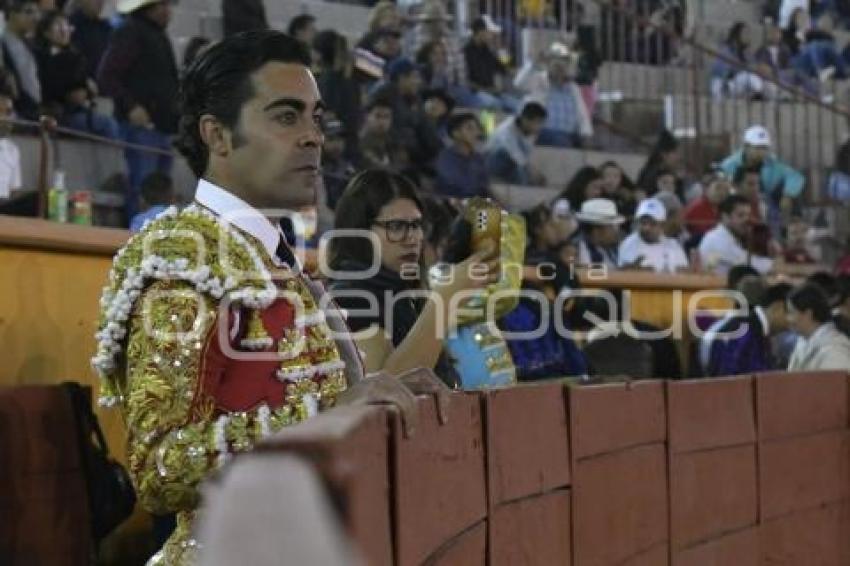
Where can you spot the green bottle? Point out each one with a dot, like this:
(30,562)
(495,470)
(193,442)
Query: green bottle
(57,199)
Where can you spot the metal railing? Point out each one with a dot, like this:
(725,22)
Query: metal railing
(653,76)
(48,132)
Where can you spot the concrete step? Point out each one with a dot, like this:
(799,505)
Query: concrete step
(805,134)
(635,80)
(722,13)
(559,165)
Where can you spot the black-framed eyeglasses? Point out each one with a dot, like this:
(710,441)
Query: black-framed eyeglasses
(399,230)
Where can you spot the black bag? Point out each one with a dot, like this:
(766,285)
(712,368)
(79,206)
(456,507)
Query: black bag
(111,493)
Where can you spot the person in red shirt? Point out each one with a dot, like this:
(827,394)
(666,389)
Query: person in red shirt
(796,250)
(702,214)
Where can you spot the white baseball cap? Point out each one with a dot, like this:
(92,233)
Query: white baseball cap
(653,208)
(757,136)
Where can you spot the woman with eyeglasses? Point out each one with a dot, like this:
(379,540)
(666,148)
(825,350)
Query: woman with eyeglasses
(398,321)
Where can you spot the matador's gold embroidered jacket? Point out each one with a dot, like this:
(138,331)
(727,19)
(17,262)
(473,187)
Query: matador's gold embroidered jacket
(206,346)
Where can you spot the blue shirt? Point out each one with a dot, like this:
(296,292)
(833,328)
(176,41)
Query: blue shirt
(509,154)
(562,112)
(460,175)
(142,217)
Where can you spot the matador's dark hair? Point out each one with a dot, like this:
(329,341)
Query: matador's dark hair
(218,82)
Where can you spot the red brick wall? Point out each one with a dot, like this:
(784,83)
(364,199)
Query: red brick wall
(744,471)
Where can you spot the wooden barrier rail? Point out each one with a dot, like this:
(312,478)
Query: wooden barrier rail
(747,470)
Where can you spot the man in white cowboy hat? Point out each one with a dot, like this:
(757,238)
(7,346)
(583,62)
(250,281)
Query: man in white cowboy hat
(568,122)
(140,73)
(433,25)
(599,232)
(647,247)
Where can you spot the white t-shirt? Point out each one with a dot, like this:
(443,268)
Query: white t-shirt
(666,255)
(719,251)
(10,167)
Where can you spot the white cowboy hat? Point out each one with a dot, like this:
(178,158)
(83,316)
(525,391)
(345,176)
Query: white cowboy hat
(560,50)
(128,6)
(433,10)
(599,211)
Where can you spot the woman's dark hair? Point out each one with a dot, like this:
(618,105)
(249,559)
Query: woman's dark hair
(575,188)
(626,181)
(810,297)
(439,215)
(358,207)
(44,24)
(300,22)
(733,38)
(842,159)
(666,143)
(218,82)
(535,219)
(329,44)
(193,48)
(792,21)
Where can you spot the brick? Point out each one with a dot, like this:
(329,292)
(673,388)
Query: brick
(606,418)
(439,478)
(619,505)
(658,555)
(796,404)
(531,532)
(467,549)
(349,446)
(740,548)
(710,413)
(527,441)
(816,537)
(712,492)
(799,473)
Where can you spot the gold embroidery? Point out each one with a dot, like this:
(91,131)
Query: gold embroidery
(175,436)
